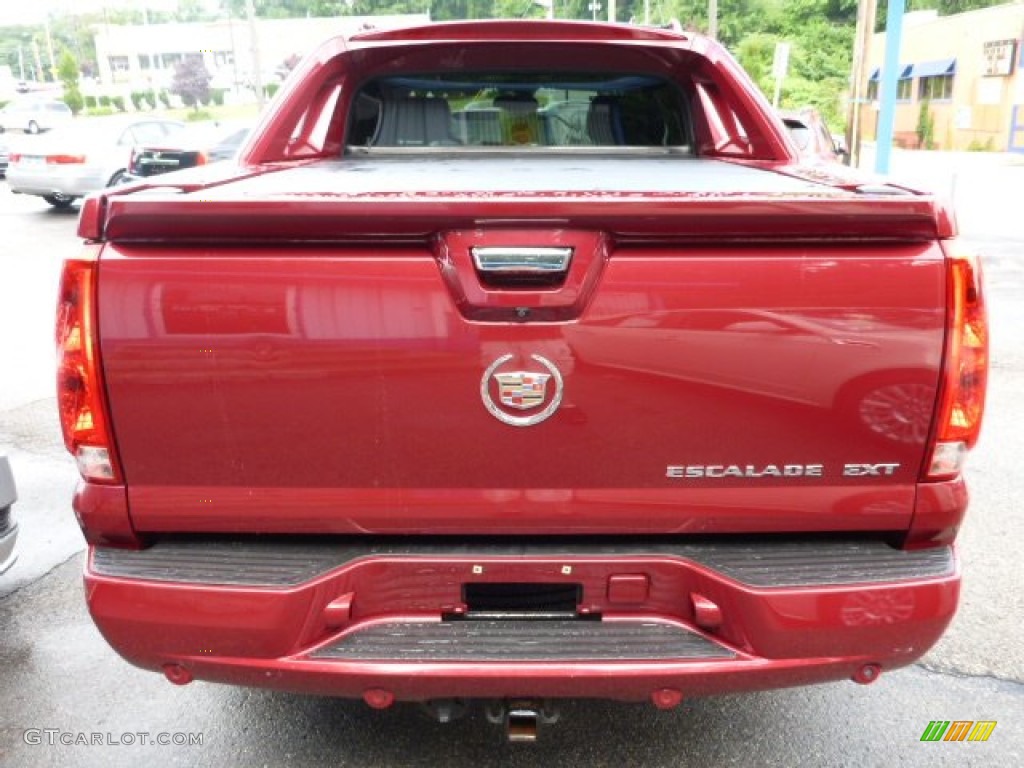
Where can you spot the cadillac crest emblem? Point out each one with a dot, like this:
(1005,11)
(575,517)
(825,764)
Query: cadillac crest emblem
(521,390)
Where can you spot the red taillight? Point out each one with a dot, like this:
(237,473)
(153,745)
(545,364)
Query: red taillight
(65,159)
(965,377)
(14,157)
(202,158)
(80,392)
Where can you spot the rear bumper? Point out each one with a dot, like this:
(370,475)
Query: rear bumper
(70,181)
(8,538)
(8,528)
(342,620)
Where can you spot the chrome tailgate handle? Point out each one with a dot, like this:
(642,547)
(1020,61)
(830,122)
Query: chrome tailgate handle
(518,260)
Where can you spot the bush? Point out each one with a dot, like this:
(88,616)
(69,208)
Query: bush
(977,146)
(104,100)
(101,111)
(217,96)
(73,98)
(91,103)
(150,98)
(198,116)
(270,89)
(925,127)
(118,103)
(138,97)
(165,99)
(191,82)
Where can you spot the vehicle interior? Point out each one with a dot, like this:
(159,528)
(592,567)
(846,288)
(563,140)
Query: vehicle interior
(519,110)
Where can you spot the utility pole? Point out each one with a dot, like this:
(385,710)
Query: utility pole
(859,78)
(151,56)
(49,48)
(612,11)
(713,19)
(234,55)
(257,74)
(40,75)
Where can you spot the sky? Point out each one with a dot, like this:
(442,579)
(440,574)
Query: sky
(34,11)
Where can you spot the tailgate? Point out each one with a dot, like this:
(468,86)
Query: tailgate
(399,387)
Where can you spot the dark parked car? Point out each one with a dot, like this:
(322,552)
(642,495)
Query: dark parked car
(8,528)
(194,145)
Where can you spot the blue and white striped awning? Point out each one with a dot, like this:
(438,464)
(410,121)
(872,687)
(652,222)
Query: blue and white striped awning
(904,73)
(935,68)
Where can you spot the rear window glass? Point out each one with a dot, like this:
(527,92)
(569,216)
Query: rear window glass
(800,133)
(518,111)
(150,132)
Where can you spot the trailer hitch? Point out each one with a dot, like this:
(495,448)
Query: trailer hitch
(521,718)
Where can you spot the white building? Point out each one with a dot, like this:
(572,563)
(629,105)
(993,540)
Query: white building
(144,56)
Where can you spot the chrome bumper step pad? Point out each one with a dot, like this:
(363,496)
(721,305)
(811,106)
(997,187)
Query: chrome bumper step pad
(288,562)
(522,641)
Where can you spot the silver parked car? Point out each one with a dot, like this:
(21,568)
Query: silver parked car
(811,135)
(8,528)
(73,161)
(4,155)
(34,115)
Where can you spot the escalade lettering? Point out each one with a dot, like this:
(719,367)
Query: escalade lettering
(712,471)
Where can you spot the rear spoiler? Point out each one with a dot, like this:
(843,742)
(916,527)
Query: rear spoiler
(404,217)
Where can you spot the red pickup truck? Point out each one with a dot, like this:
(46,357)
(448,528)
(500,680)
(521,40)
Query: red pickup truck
(520,361)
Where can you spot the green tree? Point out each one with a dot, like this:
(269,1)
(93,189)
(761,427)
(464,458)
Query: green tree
(944,7)
(192,10)
(949,7)
(755,54)
(69,75)
(292,9)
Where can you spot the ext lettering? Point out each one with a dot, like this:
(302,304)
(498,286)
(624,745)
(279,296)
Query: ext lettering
(869,470)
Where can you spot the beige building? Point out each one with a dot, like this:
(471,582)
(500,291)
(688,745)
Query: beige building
(144,56)
(970,70)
